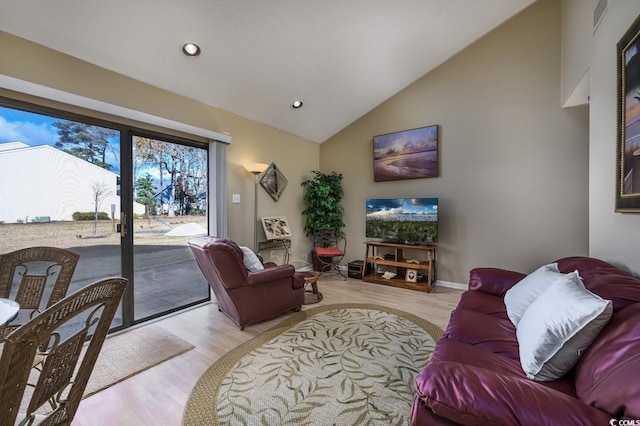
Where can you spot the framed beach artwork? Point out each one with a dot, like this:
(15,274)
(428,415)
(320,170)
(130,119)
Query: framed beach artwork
(628,131)
(408,154)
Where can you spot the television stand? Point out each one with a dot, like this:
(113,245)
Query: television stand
(408,270)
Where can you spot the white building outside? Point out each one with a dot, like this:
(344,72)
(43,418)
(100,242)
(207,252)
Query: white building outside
(44,183)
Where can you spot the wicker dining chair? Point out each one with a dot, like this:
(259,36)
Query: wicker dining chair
(51,391)
(36,278)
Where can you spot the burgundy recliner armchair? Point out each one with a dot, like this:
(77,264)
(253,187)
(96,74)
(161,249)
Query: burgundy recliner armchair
(246,297)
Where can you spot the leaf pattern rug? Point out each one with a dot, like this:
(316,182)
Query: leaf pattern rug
(342,364)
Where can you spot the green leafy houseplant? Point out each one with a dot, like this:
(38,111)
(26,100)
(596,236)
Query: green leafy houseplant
(323,200)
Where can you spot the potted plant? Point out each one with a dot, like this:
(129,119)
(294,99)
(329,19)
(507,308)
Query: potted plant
(323,201)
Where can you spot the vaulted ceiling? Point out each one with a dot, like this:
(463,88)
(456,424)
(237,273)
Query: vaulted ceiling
(342,58)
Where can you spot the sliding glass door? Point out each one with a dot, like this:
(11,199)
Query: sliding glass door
(170,207)
(59,186)
(127,202)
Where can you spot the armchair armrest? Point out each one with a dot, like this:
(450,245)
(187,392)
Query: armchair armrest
(493,280)
(270,274)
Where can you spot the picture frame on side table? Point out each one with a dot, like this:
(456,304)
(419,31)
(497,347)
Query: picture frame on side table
(409,154)
(628,121)
(411,275)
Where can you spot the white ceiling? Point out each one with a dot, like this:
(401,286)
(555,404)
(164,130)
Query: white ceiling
(341,57)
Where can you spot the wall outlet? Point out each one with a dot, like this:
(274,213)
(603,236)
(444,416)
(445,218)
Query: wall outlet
(235,198)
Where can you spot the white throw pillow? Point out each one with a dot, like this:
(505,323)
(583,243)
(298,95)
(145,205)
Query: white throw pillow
(518,298)
(251,261)
(559,326)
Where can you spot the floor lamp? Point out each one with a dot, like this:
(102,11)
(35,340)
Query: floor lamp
(255,169)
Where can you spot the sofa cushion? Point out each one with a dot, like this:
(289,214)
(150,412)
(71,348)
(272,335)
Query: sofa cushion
(250,260)
(493,281)
(589,267)
(485,396)
(558,326)
(607,374)
(623,290)
(605,280)
(484,303)
(494,335)
(456,351)
(518,298)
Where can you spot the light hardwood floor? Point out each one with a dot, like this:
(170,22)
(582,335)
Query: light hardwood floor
(158,396)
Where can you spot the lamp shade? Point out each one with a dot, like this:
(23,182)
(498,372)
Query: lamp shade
(256,168)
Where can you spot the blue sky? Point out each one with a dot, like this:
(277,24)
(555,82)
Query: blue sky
(393,208)
(37,129)
(32,129)
(403,205)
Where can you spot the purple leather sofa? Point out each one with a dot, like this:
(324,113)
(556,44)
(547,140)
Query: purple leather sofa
(475,376)
(246,297)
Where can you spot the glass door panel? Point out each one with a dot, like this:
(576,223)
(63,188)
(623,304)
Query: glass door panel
(170,207)
(59,186)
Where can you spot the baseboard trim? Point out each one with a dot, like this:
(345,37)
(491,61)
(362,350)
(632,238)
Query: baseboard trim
(449,284)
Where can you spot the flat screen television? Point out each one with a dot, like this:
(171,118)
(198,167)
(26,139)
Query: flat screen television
(402,220)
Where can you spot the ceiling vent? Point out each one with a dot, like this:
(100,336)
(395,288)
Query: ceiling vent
(598,13)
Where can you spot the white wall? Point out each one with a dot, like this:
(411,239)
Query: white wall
(44,181)
(614,237)
(577,31)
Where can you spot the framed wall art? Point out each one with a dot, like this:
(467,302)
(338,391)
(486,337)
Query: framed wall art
(408,154)
(273,181)
(276,227)
(628,131)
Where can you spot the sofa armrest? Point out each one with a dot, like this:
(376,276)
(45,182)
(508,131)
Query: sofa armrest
(270,274)
(481,396)
(298,280)
(493,280)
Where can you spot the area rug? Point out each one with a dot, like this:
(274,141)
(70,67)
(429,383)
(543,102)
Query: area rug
(132,352)
(335,364)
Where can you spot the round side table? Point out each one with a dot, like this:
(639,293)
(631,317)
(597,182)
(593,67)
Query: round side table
(311,296)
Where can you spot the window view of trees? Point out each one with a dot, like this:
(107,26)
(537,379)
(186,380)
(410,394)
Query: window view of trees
(170,188)
(91,144)
(60,185)
(146,194)
(170,178)
(85,141)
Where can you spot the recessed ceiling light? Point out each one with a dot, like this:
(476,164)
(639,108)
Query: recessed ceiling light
(191,49)
(296,104)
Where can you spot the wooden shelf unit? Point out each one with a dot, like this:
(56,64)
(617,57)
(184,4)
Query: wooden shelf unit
(375,259)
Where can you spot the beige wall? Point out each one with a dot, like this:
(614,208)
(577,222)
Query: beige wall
(522,180)
(252,141)
(513,183)
(577,29)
